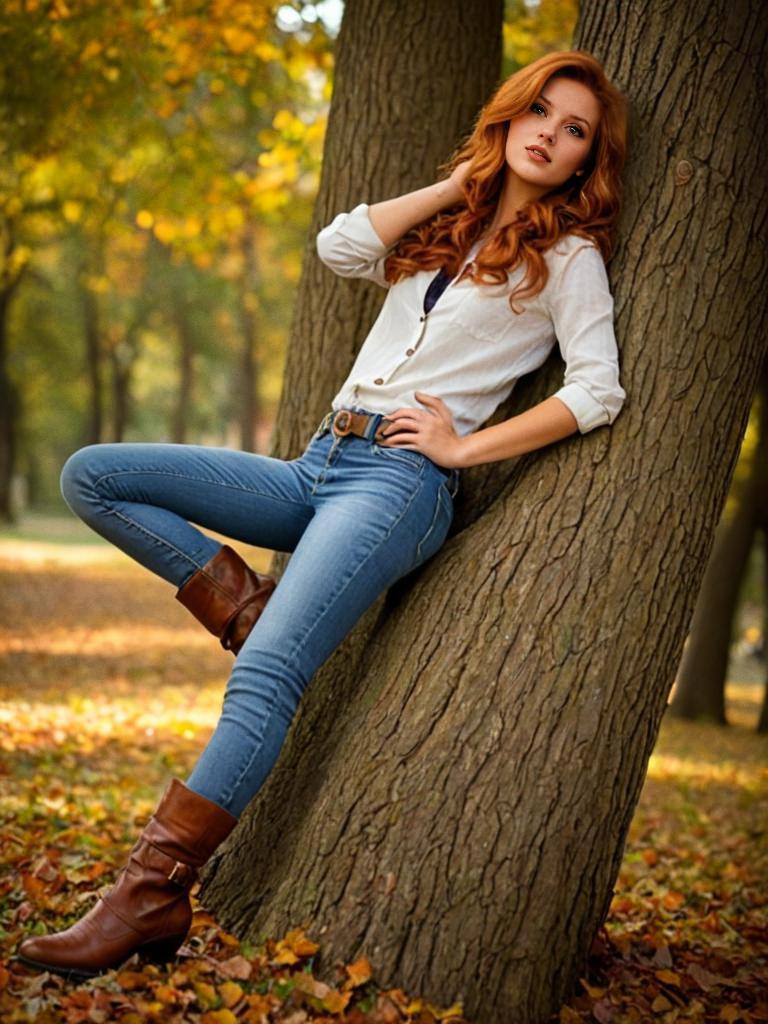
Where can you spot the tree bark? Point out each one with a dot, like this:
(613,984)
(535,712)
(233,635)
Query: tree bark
(700,689)
(453,798)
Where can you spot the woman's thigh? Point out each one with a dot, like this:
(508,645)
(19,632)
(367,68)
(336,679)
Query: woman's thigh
(369,529)
(252,498)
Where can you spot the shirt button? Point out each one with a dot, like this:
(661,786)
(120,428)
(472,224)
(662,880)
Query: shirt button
(409,351)
(379,380)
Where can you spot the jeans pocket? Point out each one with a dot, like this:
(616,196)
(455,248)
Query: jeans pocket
(403,455)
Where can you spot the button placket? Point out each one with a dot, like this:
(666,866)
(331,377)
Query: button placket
(424,317)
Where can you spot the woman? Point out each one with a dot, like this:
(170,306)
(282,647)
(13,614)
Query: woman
(521,229)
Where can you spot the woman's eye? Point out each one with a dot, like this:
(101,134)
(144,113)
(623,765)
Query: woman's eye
(537,106)
(579,132)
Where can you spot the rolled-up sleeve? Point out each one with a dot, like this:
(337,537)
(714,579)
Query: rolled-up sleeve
(581,308)
(351,248)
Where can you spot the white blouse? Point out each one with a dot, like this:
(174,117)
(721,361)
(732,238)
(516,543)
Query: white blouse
(471,348)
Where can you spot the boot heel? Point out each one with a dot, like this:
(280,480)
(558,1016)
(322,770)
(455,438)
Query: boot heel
(163,950)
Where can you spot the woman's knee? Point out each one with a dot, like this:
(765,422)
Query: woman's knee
(79,472)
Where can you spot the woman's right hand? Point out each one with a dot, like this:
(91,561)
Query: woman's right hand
(460,173)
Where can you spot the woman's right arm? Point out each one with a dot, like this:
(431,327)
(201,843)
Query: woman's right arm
(393,217)
(355,244)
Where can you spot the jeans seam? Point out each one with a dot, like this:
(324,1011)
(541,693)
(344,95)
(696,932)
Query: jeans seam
(197,479)
(154,536)
(301,643)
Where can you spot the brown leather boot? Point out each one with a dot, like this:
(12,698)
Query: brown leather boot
(147,911)
(227,596)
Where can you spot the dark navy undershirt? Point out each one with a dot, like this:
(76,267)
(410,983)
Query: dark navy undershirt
(436,288)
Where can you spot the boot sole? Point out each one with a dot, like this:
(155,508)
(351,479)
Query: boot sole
(161,952)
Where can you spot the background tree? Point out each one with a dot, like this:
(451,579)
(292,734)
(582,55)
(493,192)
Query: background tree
(127,126)
(700,689)
(461,821)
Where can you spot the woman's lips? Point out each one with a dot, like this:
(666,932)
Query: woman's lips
(535,155)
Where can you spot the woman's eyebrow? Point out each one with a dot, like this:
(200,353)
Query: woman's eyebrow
(573,117)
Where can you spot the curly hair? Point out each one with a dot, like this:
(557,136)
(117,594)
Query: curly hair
(586,206)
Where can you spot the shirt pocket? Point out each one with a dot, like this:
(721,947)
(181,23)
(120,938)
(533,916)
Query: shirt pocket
(485,315)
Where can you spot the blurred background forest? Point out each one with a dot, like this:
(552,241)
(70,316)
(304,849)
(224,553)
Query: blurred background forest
(158,170)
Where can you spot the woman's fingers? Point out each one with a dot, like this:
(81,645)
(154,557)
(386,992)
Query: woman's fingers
(402,424)
(433,402)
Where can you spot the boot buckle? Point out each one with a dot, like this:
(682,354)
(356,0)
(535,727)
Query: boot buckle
(179,874)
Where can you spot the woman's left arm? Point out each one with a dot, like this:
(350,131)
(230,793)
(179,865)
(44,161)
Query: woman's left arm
(580,304)
(432,432)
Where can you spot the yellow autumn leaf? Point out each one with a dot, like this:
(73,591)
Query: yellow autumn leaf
(237,39)
(206,994)
(359,971)
(672,900)
(457,1010)
(218,1017)
(668,977)
(165,231)
(130,980)
(294,945)
(230,992)
(91,49)
(336,1002)
(283,119)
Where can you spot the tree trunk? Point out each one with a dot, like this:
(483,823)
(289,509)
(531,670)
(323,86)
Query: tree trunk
(93,265)
(762,520)
(762,722)
(123,356)
(453,798)
(10,411)
(700,689)
(248,377)
(186,353)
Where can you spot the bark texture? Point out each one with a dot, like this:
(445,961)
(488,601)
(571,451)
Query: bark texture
(700,689)
(453,798)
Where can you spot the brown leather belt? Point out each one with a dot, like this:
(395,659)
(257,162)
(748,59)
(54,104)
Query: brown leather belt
(344,421)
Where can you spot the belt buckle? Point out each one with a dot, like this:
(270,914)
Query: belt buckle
(342,423)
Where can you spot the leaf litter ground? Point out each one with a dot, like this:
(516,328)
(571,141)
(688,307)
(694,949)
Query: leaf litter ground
(108,688)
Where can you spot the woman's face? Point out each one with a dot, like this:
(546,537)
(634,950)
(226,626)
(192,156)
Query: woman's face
(562,122)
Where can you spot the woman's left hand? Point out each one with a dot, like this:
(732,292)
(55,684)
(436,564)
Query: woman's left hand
(429,431)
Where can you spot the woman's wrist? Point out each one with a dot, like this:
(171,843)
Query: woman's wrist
(447,193)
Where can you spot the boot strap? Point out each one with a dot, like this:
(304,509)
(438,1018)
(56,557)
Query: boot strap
(176,871)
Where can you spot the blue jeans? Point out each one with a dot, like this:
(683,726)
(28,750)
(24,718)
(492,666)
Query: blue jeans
(357,516)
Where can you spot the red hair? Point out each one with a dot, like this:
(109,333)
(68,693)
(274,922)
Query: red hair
(587,205)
